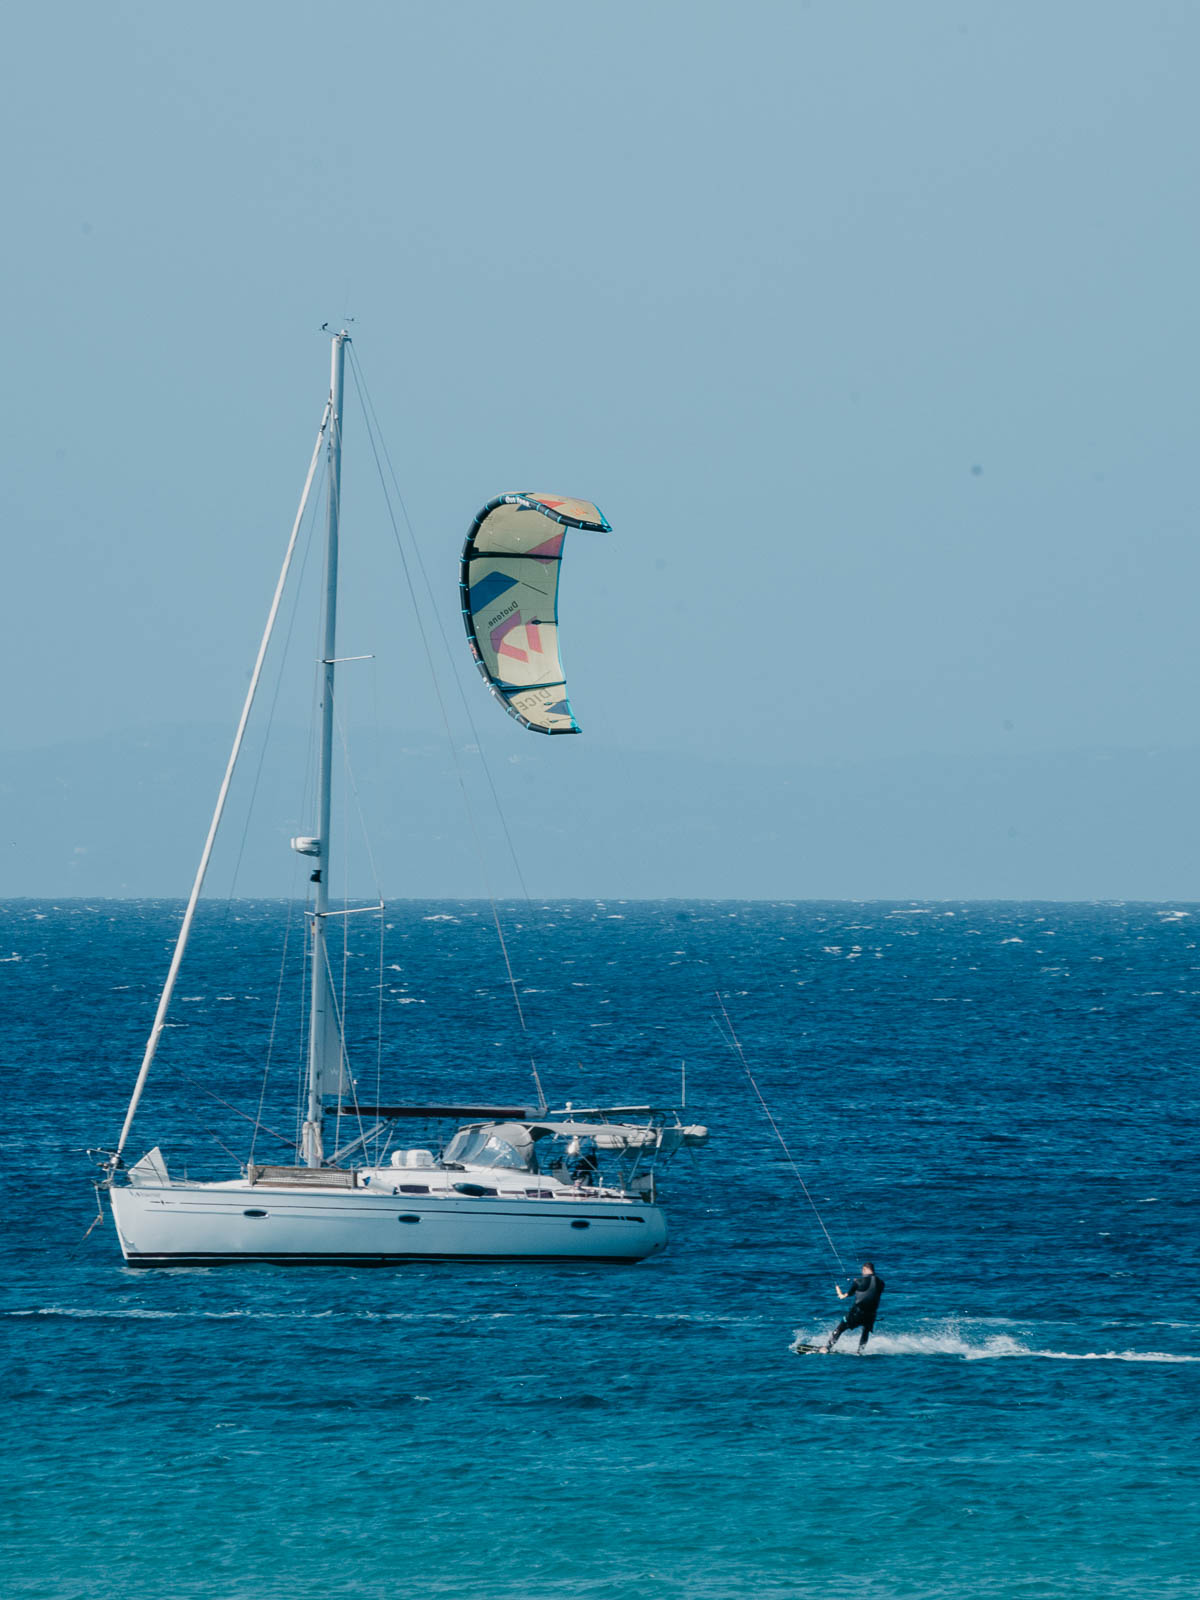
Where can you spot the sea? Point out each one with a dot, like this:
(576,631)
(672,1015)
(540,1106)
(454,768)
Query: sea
(995,1103)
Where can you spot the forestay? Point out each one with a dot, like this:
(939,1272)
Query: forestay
(510,571)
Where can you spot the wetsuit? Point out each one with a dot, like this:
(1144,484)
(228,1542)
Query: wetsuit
(866,1291)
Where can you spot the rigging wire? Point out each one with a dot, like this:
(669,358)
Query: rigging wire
(262,1093)
(379,1017)
(306,551)
(356,796)
(441,703)
(735,1044)
(302,1034)
(368,405)
(344,1062)
(298,590)
(352,786)
(375,745)
(216,1138)
(307,794)
(345,864)
(279,677)
(229,1106)
(168,989)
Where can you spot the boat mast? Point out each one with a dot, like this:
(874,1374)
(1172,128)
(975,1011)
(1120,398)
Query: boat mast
(325,1043)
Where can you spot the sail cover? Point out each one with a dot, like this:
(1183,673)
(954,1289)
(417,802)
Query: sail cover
(510,567)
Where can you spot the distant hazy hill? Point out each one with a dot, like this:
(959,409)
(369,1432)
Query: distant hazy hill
(126,816)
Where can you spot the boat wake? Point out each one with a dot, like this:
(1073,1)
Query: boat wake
(951,1339)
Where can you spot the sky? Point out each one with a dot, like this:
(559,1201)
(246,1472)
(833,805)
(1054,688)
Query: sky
(871,328)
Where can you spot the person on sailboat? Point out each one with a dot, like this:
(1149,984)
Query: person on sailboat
(586,1170)
(866,1290)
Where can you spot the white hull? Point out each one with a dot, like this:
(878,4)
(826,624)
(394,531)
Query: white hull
(199,1224)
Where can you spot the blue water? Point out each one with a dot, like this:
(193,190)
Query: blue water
(996,1103)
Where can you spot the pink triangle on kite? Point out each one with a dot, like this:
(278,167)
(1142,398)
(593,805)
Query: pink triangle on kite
(551,547)
(500,633)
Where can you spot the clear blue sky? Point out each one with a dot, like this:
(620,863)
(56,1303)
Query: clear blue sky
(872,328)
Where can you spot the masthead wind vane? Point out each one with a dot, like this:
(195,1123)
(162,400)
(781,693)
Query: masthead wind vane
(509,585)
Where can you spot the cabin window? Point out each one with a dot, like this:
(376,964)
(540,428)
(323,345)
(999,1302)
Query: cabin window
(413,1188)
(475,1147)
(409,1216)
(580,1223)
(254,1213)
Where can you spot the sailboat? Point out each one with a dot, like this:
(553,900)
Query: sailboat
(490,1181)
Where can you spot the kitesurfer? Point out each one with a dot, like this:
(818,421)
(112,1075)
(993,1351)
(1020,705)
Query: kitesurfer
(866,1291)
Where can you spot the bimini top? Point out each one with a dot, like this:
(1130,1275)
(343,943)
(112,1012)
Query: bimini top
(605,1135)
(435,1112)
(622,1135)
(509,585)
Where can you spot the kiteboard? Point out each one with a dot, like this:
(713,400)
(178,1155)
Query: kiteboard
(811,1349)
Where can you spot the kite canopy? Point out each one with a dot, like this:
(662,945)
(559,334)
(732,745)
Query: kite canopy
(509,585)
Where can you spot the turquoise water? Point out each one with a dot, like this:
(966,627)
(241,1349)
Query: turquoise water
(997,1103)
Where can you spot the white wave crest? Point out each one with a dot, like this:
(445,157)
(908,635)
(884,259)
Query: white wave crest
(951,1339)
